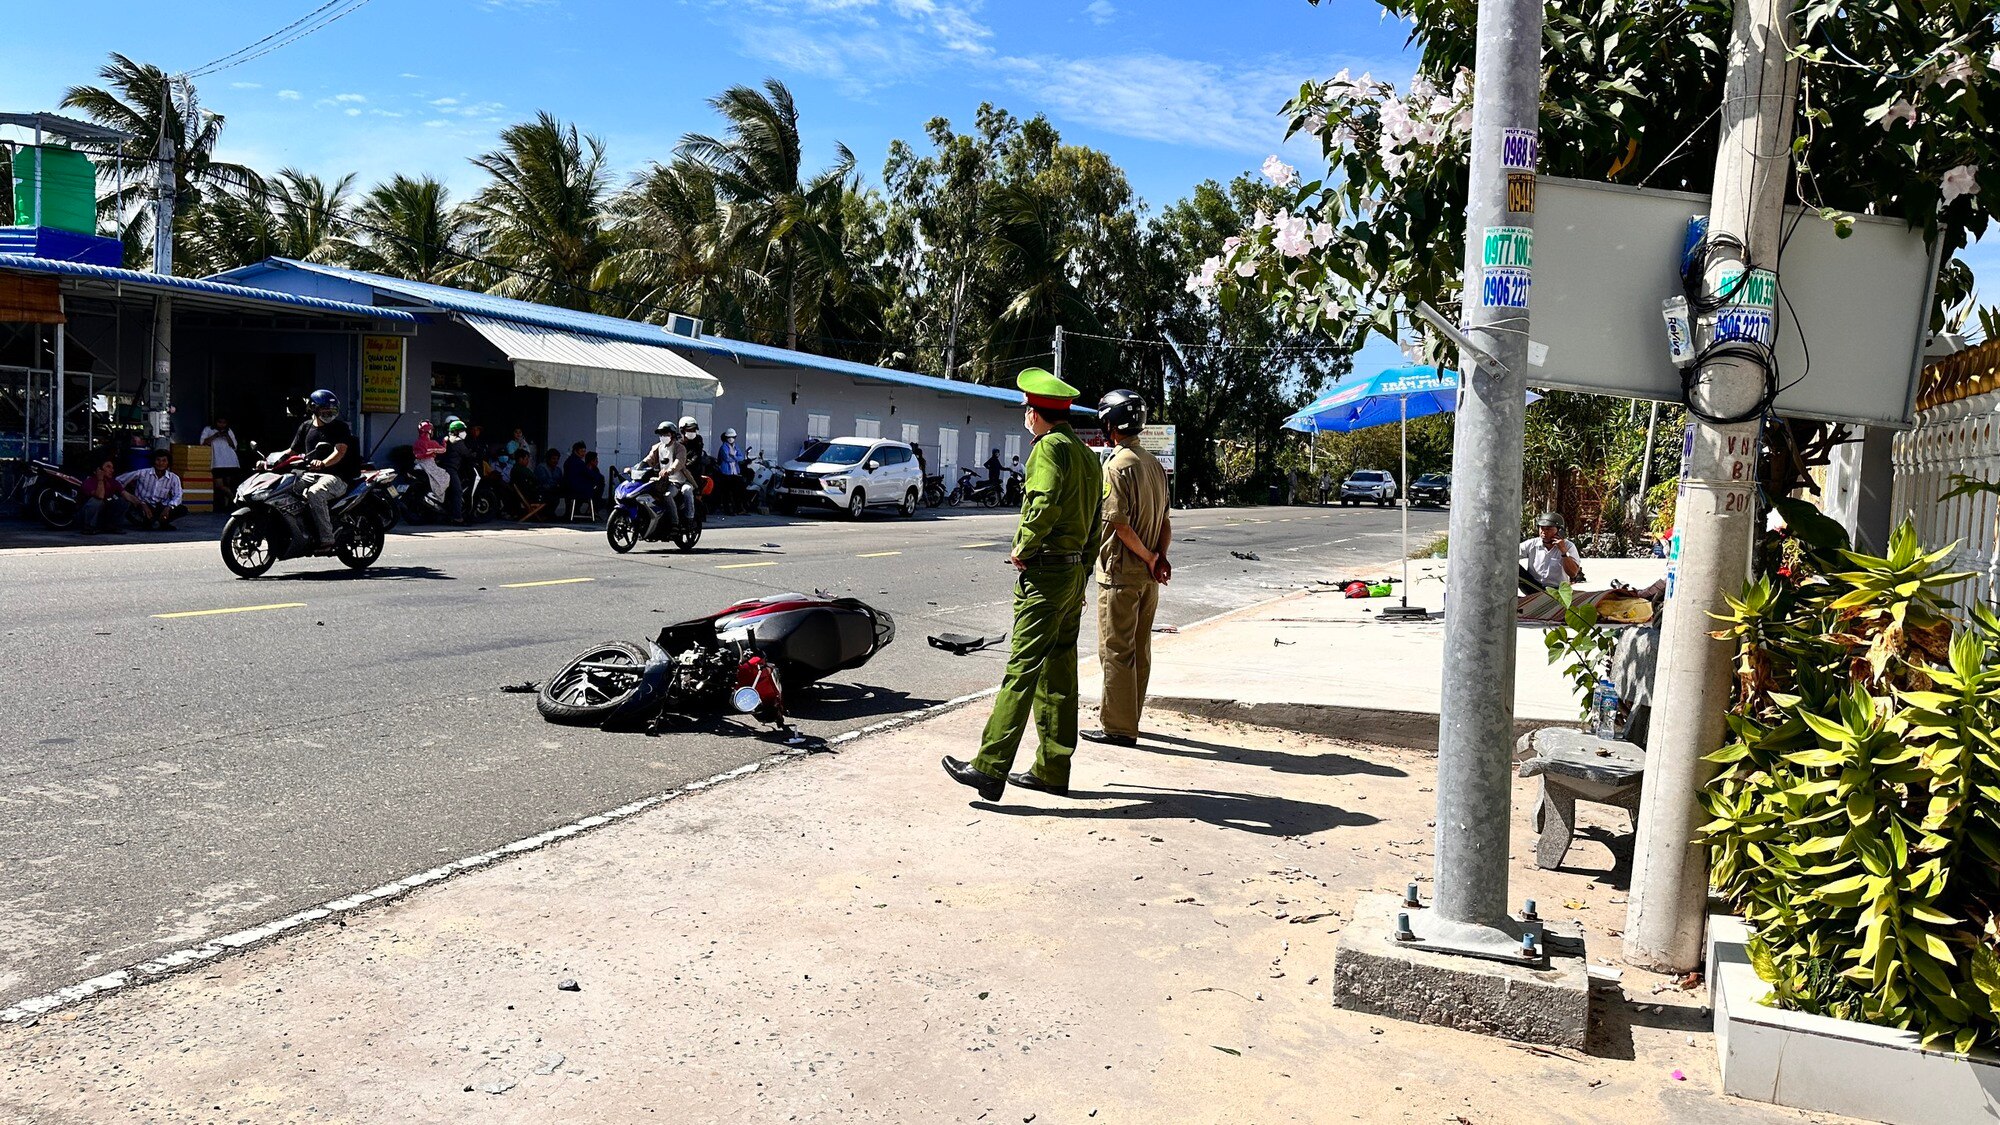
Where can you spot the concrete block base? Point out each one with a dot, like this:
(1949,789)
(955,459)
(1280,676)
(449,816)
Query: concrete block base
(1376,974)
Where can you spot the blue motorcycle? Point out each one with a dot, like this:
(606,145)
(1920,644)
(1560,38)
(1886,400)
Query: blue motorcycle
(637,515)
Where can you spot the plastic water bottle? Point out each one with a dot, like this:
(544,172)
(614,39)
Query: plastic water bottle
(1604,710)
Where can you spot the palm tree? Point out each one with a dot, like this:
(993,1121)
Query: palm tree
(780,219)
(1031,247)
(407,228)
(674,249)
(145,101)
(293,215)
(541,219)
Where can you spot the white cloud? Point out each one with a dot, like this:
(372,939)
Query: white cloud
(1158,98)
(350,97)
(289,95)
(353,112)
(863,44)
(407,74)
(246,85)
(1100,11)
(442,102)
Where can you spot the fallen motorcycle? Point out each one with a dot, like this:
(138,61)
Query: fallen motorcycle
(741,659)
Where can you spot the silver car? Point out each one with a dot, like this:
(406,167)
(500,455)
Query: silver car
(1368,484)
(851,475)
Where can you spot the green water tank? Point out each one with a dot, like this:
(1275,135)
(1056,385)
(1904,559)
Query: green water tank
(69,188)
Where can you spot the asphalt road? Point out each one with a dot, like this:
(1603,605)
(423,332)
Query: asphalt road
(165,779)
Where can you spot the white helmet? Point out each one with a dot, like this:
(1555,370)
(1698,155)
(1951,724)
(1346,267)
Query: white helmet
(730,434)
(688,422)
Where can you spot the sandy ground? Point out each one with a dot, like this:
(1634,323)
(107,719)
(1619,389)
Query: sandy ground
(850,938)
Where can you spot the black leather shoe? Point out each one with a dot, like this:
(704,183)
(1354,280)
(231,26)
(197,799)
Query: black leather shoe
(1027,780)
(1108,738)
(989,787)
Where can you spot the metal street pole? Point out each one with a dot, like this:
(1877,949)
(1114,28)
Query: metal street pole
(1058,352)
(1716,517)
(1646,462)
(1476,727)
(160,389)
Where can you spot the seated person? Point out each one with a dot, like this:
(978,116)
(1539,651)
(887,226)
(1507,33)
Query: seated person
(526,487)
(106,500)
(1550,559)
(158,492)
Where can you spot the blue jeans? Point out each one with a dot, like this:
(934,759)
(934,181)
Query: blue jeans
(104,515)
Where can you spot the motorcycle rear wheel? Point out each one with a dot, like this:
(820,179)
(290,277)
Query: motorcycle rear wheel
(688,536)
(57,510)
(247,548)
(485,507)
(585,696)
(621,531)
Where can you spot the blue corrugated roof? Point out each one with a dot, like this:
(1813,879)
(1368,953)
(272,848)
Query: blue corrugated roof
(201,287)
(616,328)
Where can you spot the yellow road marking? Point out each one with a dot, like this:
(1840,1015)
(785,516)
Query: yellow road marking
(878,555)
(237,609)
(743,566)
(969,546)
(550,582)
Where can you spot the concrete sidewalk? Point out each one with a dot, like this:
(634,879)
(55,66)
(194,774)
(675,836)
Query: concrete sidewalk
(849,937)
(1320,646)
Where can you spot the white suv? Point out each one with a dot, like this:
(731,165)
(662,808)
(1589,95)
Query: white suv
(851,475)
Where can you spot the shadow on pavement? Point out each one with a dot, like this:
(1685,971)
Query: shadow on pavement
(834,703)
(1313,765)
(372,574)
(1617,1014)
(1248,812)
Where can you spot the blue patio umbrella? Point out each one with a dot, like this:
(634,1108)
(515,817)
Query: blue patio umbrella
(1395,394)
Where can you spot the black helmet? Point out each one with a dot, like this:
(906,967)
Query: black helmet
(323,401)
(665,428)
(1122,412)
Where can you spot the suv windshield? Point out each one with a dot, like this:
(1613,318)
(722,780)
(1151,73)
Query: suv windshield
(831,453)
(1368,478)
(1431,478)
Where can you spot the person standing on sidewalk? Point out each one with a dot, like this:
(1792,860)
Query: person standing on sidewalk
(1131,566)
(1058,531)
(225,468)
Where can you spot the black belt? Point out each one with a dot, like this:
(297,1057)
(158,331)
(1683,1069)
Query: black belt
(1045,559)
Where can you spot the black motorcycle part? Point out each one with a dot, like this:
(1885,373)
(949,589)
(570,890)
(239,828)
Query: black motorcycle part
(593,685)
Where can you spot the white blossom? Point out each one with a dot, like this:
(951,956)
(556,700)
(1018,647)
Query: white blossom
(1959,70)
(1396,123)
(1291,236)
(1230,244)
(1279,172)
(1901,111)
(1315,123)
(1424,133)
(1323,234)
(1962,180)
(1247,267)
(1422,89)
(1330,309)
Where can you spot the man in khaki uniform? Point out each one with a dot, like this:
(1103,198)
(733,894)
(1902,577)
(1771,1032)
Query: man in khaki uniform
(1131,567)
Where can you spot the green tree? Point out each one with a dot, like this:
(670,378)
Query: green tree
(292,215)
(783,223)
(146,102)
(407,228)
(541,216)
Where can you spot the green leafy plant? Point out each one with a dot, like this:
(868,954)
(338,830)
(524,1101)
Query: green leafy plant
(1856,814)
(1578,645)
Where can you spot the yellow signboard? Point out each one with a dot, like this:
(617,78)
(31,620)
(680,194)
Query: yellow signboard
(382,374)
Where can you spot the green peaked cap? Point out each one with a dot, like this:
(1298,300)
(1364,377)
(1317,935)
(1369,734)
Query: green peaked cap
(1045,390)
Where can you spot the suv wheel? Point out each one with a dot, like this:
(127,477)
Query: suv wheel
(909,507)
(857,504)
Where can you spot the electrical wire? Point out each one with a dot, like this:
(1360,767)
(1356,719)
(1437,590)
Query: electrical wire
(1757,353)
(217,66)
(205,67)
(1196,347)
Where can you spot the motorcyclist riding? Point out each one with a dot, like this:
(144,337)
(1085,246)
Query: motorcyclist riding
(329,477)
(669,455)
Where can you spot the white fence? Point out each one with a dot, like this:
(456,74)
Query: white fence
(1957,432)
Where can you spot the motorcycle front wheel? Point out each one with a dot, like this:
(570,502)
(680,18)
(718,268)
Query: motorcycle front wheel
(359,543)
(56,508)
(595,683)
(956,498)
(247,548)
(622,531)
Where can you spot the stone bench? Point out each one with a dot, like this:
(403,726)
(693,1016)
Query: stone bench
(1577,766)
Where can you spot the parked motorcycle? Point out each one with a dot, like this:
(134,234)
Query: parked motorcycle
(637,514)
(741,659)
(1011,488)
(934,493)
(760,483)
(271,522)
(973,488)
(54,496)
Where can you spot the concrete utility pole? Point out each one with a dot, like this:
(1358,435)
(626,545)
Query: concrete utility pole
(1476,728)
(160,389)
(1716,520)
(1058,352)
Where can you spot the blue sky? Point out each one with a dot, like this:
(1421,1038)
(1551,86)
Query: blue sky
(1176,91)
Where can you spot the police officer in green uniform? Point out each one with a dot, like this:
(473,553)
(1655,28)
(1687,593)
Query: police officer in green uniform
(1053,547)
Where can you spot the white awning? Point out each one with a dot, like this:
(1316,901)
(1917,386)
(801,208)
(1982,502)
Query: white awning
(571,361)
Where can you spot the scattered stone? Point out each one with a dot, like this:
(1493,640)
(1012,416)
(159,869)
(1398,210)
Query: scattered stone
(568,985)
(550,1063)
